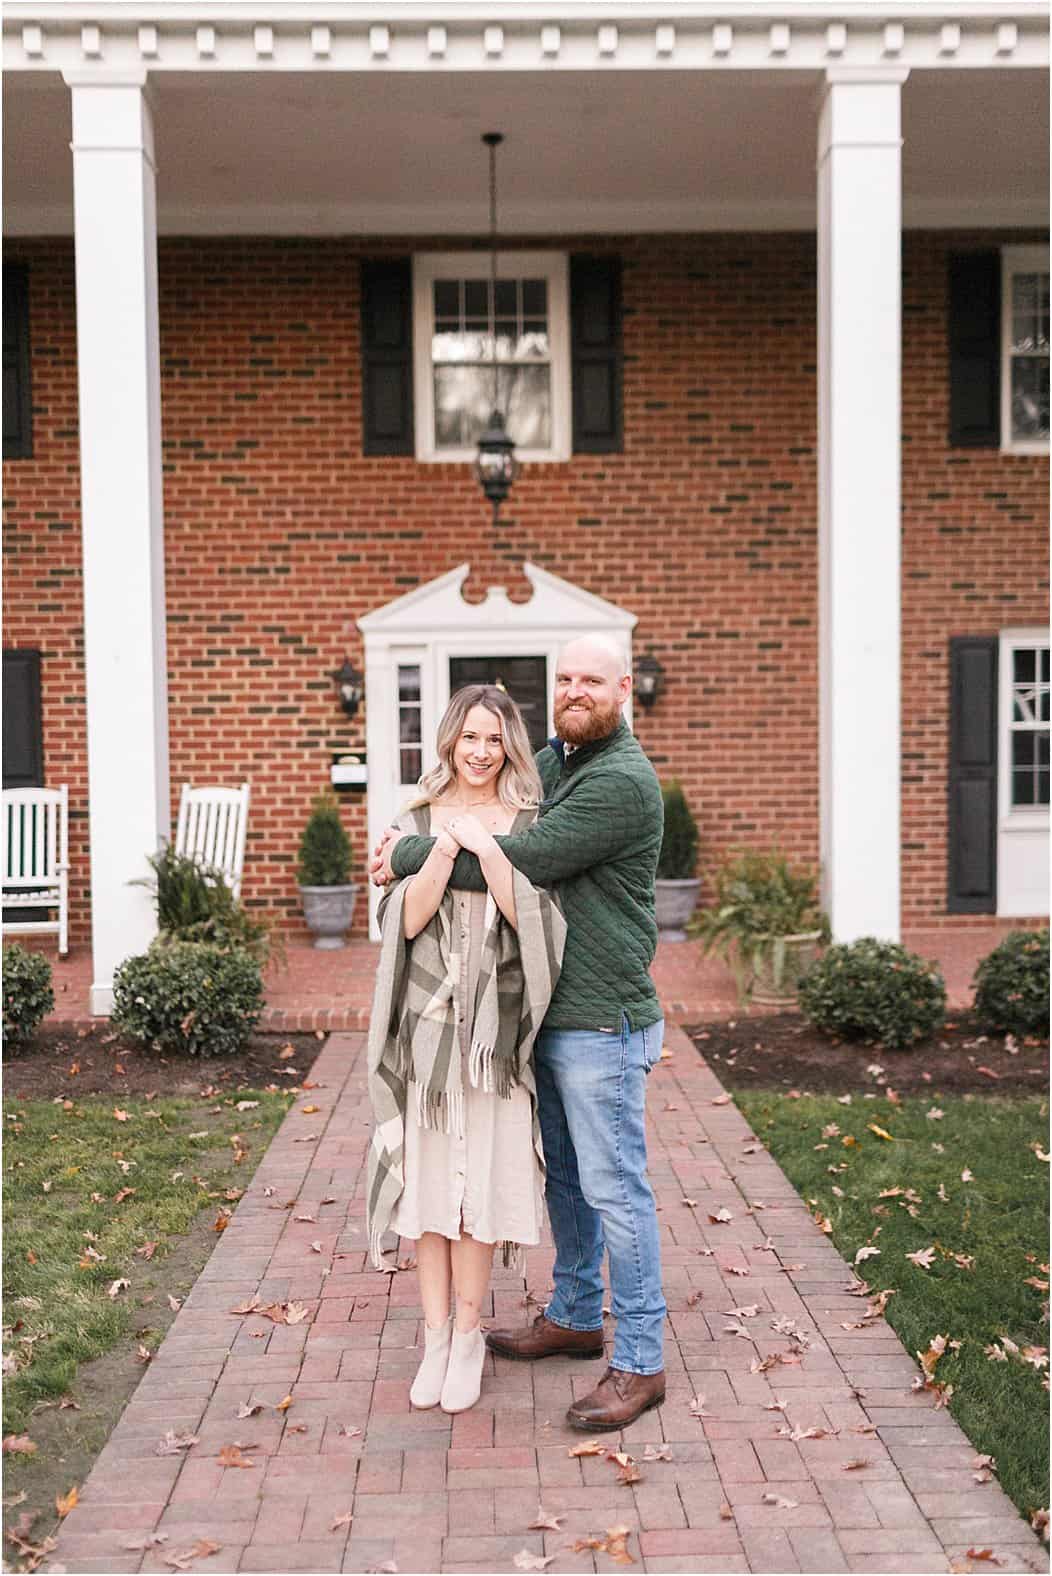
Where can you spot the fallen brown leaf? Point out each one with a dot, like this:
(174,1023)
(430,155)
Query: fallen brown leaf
(544,1521)
(18,1445)
(172,1443)
(525,1561)
(231,1456)
(200,1550)
(591,1447)
(341,1521)
(780,1501)
(64,1503)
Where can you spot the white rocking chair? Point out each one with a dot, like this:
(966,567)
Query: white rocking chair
(34,831)
(211,829)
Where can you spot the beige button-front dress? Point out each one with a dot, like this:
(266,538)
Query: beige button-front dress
(485,1180)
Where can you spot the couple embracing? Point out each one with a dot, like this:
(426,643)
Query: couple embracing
(514,1023)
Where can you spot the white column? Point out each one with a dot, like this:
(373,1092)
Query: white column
(859,422)
(118,366)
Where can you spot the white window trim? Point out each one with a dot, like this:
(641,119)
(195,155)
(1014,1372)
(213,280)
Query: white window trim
(1016,260)
(1034,818)
(554,267)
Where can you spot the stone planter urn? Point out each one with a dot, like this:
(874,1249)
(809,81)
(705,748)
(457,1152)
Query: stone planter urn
(778,962)
(674,903)
(328,911)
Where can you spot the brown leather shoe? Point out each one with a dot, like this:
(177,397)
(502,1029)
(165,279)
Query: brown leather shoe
(617,1400)
(542,1338)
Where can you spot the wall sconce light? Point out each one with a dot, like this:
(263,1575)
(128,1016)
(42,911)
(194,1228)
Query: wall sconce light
(349,684)
(648,680)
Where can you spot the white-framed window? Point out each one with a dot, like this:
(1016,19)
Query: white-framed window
(1024,349)
(1024,716)
(455,317)
(410,725)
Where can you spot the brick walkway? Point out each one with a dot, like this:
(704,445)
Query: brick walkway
(433,1493)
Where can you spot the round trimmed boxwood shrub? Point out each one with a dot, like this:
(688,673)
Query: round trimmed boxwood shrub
(875,991)
(189,997)
(28,996)
(1011,984)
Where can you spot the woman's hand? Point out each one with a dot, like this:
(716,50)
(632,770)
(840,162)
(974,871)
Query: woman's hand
(447,844)
(471,834)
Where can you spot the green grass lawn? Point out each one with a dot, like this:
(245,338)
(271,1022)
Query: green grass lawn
(96,1194)
(997,1216)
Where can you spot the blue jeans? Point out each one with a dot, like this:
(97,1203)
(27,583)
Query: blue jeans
(590,1099)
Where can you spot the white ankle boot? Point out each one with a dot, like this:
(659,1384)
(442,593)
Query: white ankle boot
(464,1375)
(430,1376)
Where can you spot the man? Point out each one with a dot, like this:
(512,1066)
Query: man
(596,841)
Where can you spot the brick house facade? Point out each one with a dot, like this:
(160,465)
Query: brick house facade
(200,427)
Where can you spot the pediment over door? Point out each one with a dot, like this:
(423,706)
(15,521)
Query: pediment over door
(439,607)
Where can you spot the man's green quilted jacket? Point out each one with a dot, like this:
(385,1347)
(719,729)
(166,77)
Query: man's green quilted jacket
(596,841)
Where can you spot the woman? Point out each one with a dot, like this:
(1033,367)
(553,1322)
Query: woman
(463,983)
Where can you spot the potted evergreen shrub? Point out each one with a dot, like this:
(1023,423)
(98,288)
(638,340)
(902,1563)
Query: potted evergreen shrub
(767,923)
(676,888)
(324,871)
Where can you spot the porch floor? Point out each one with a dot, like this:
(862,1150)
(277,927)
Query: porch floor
(333,990)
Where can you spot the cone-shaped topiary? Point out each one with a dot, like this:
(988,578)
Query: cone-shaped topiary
(679,845)
(325,858)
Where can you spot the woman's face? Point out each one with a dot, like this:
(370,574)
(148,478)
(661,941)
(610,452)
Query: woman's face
(478,754)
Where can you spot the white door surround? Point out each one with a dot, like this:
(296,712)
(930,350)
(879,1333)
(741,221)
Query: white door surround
(433,623)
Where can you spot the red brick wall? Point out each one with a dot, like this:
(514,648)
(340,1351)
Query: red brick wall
(279,534)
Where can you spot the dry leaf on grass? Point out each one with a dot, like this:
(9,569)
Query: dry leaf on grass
(881,1132)
(867,1252)
(781,1502)
(18,1445)
(64,1503)
(544,1521)
(116,1287)
(1039,1522)
(923,1258)
(525,1561)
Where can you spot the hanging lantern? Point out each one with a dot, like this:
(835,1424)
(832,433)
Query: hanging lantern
(495,464)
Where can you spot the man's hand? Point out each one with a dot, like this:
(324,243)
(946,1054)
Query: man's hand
(380,871)
(471,834)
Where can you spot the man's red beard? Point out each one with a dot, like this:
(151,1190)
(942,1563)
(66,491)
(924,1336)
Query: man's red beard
(583,726)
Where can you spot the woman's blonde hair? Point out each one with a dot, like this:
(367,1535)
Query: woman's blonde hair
(519,785)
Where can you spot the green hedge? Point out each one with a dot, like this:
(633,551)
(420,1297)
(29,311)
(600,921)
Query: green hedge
(189,997)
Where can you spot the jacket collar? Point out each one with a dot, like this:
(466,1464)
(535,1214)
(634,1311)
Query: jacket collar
(589,751)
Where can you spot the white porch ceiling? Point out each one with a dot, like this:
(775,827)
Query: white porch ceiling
(589,152)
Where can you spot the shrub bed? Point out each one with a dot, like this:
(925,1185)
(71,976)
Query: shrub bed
(189,997)
(1011,984)
(28,996)
(876,991)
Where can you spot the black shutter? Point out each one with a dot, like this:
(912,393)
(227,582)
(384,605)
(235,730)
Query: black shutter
(972,842)
(22,731)
(18,425)
(387,357)
(595,343)
(975,350)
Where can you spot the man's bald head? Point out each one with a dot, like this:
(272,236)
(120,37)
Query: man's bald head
(591,685)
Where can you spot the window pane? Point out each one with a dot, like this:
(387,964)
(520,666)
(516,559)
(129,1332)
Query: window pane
(1044,664)
(1042,787)
(459,346)
(1024,750)
(411,766)
(409,683)
(535,298)
(464,400)
(507,291)
(1030,312)
(1023,786)
(1024,665)
(447,298)
(476,298)
(1030,398)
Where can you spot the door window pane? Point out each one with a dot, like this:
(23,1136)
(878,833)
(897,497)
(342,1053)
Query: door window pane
(410,755)
(1029,728)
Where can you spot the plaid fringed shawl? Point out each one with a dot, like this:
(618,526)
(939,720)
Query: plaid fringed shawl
(414,1028)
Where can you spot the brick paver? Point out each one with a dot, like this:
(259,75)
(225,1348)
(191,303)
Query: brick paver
(344,1476)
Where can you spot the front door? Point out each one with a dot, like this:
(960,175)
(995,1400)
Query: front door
(524,678)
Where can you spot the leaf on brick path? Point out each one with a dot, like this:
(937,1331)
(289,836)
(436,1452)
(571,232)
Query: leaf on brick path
(579,1545)
(388,1568)
(316,1247)
(344,1432)
(864,1428)
(721,1217)
(780,1501)
(249,1408)
(691,1203)
(284,1404)
(721,1099)
(923,1258)
(268,1192)
(670,1107)
(742,1313)
(312,1218)
(544,1521)
(657,1453)
(967,1176)
(752,1148)
(856,1466)
(726,1513)
(737,1269)
(150,1540)
(341,1521)
(121,1116)
(116,1287)
(775,1404)
(308,1138)
(697,1407)
(252,1306)
(1039,1522)
(172,1443)
(590,1447)
(694,1298)
(200,1550)
(982,1554)
(628,1472)
(231,1456)
(796,1434)
(296,1428)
